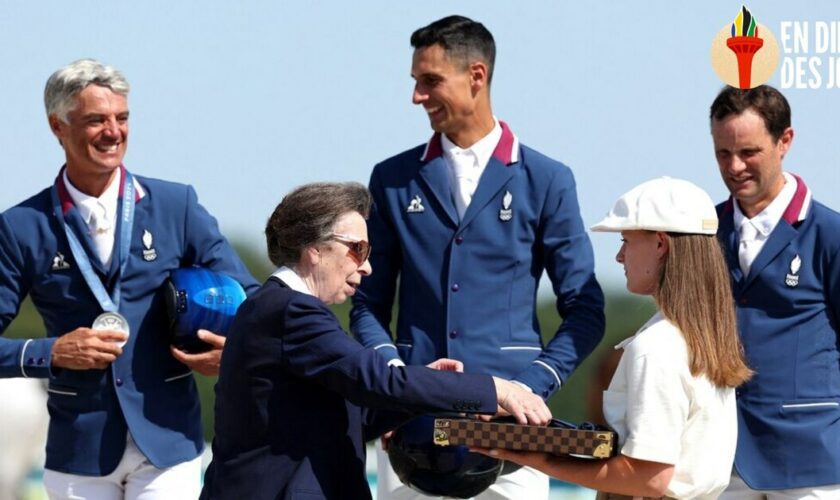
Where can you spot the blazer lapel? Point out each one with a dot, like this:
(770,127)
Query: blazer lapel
(497,173)
(729,243)
(778,240)
(73,219)
(436,178)
(113,273)
(494,177)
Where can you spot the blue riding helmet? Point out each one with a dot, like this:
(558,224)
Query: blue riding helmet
(198,298)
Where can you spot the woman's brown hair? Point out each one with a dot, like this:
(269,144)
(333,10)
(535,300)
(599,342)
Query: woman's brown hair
(695,294)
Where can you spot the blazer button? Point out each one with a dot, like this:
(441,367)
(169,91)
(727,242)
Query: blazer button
(459,240)
(545,394)
(453,334)
(30,361)
(456,287)
(119,382)
(41,361)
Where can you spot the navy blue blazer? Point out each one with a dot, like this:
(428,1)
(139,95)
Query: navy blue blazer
(145,390)
(468,288)
(788,310)
(290,421)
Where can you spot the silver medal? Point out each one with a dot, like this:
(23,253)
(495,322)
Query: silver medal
(112,321)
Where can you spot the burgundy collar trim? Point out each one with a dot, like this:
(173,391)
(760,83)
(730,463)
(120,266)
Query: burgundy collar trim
(507,150)
(796,210)
(67,201)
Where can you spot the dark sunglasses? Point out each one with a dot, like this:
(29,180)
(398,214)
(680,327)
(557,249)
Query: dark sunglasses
(359,248)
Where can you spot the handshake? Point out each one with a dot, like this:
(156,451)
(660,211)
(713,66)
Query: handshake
(512,398)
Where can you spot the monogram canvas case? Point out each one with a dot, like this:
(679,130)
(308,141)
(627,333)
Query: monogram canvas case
(558,438)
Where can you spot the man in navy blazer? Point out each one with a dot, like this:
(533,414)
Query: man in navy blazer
(466,224)
(124,411)
(783,250)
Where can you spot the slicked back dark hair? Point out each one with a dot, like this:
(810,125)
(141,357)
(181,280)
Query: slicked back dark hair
(307,216)
(463,39)
(765,100)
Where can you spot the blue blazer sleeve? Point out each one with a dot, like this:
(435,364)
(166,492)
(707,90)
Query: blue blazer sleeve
(18,357)
(370,317)
(569,262)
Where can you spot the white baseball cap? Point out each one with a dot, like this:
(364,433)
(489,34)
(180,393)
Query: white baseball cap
(663,204)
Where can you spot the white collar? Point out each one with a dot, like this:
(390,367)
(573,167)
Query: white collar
(766,220)
(86,203)
(653,319)
(291,278)
(482,149)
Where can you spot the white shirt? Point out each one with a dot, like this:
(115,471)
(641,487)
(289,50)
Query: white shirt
(475,157)
(105,204)
(108,199)
(291,278)
(105,208)
(765,221)
(664,414)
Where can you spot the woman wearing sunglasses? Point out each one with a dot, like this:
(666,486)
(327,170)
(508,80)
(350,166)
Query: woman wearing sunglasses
(294,389)
(672,398)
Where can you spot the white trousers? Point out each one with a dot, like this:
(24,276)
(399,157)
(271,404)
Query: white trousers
(738,490)
(525,483)
(135,478)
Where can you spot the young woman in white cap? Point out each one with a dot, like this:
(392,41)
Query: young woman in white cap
(672,398)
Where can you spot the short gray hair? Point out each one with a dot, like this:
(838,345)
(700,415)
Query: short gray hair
(307,216)
(63,85)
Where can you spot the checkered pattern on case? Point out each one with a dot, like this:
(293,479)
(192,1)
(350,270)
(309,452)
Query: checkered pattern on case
(524,437)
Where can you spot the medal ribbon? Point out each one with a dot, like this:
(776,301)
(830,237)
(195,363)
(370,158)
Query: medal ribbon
(110,303)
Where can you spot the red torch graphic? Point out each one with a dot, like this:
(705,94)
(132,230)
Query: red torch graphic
(744,42)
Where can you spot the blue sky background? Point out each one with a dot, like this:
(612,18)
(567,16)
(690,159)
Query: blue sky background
(248,99)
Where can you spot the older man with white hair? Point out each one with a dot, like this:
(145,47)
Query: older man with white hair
(93,251)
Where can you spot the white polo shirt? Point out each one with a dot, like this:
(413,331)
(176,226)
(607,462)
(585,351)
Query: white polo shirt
(664,414)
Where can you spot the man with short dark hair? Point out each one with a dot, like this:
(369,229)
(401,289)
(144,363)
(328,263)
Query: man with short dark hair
(125,419)
(467,223)
(783,251)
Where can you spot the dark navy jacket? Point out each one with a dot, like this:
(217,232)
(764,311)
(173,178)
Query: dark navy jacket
(145,391)
(788,311)
(468,289)
(290,422)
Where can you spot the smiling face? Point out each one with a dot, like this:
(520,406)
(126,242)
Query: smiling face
(750,160)
(337,271)
(95,135)
(642,253)
(455,97)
